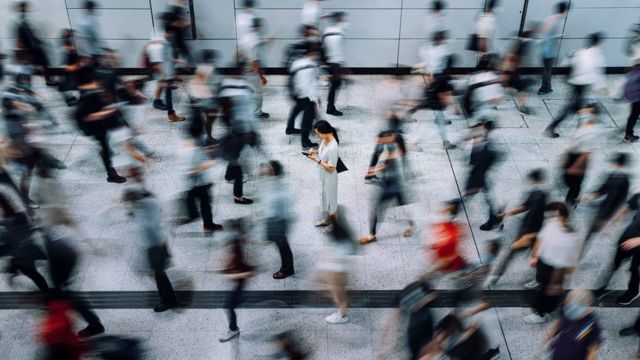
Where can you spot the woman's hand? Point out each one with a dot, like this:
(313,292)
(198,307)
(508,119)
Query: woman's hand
(314,158)
(313,151)
(630,244)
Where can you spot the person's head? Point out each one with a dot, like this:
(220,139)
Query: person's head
(594,39)
(577,304)
(491,5)
(562,7)
(619,160)
(536,176)
(272,168)
(22,7)
(558,209)
(338,17)
(437,6)
(168,18)
(307,31)
(90,6)
(325,131)
(439,37)
(249,4)
(209,56)
(451,208)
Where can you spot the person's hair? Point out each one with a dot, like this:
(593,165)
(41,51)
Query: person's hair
(487,62)
(594,39)
(437,5)
(257,23)
(305,29)
(90,5)
(249,4)
(536,175)
(324,127)
(276,167)
(620,159)
(22,6)
(560,207)
(439,36)
(66,37)
(562,7)
(491,4)
(449,322)
(580,296)
(208,55)
(338,16)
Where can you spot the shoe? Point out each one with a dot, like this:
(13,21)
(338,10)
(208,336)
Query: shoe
(525,110)
(628,331)
(292,131)
(310,146)
(212,228)
(175,118)
(534,319)
(162,307)
(630,138)
(158,104)
(230,334)
(71,101)
(448,146)
(491,224)
(243,201)
(548,132)
(448,122)
(371,179)
(282,275)
(531,285)
(492,354)
(336,318)
(367,239)
(322,223)
(113,177)
(628,297)
(264,115)
(91,330)
(544,91)
(407,233)
(334,112)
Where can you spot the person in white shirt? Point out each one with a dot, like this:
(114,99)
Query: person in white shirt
(244,18)
(249,45)
(436,21)
(333,43)
(587,71)
(551,31)
(304,76)
(486,29)
(311,13)
(555,254)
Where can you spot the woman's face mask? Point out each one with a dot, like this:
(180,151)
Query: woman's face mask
(574,311)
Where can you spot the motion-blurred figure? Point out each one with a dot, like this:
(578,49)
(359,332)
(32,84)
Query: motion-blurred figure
(179,23)
(56,333)
(168,75)
(550,31)
(387,141)
(68,82)
(277,215)
(245,17)
(287,348)
(28,41)
(250,48)
(515,56)
(587,72)
(203,90)
(333,45)
(485,91)
(303,89)
(632,95)
(555,255)
(88,42)
(311,13)
(436,20)
(454,340)
(237,270)
(486,30)
(443,251)
(413,301)
(576,335)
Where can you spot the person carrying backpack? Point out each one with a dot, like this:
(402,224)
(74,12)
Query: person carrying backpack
(632,94)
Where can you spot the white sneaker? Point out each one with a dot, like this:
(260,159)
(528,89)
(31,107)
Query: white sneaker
(534,319)
(324,83)
(230,334)
(336,318)
(531,285)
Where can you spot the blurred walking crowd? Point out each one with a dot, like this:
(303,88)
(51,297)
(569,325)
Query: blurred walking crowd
(38,227)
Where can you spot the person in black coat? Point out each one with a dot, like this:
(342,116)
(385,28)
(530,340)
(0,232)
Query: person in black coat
(27,40)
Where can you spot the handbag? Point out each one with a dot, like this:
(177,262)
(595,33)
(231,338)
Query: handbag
(472,42)
(340,166)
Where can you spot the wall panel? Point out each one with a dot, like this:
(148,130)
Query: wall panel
(214,20)
(451,4)
(459,21)
(119,24)
(111,4)
(581,22)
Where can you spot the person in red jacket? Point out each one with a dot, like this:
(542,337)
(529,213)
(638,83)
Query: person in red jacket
(56,333)
(443,249)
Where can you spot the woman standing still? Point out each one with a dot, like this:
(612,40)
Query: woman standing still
(327,158)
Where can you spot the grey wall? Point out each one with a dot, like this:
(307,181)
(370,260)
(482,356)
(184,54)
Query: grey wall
(384,33)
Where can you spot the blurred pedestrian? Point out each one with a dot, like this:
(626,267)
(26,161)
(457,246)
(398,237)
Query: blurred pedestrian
(333,45)
(444,248)
(551,32)
(632,95)
(29,42)
(303,89)
(454,340)
(180,24)
(88,42)
(486,29)
(327,157)
(169,75)
(250,49)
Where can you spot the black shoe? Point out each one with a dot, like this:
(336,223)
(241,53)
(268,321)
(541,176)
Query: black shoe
(91,330)
(243,201)
(264,115)
(71,101)
(292,131)
(310,146)
(628,297)
(282,275)
(491,224)
(544,91)
(113,177)
(525,110)
(492,354)
(630,138)
(628,331)
(212,228)
(334,112)
(162,307)
(158,104)
(548,132)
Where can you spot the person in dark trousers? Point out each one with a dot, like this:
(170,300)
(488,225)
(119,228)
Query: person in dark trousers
(414,300)
(587,71)
(614,189)
(28,41)
(551,32)
(483,158)
(277,217)
(303,88)
(196,166)
(146,211)
(625,249)
(169,74)
(531,224)
(392,191)
(333,45)
(95,117)
(239,271)
(555,254)
(17,241)
(632,95)
(178,21)
(388,139)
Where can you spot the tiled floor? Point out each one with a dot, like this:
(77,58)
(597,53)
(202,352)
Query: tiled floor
(390,263)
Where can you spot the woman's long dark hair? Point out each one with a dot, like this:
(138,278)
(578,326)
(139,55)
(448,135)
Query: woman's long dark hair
(324,127)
